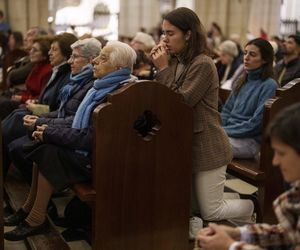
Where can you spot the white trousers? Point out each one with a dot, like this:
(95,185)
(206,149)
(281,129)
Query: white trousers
(209,199)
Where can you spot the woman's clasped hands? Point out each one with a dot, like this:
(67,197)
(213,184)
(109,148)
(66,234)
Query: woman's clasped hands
(160,56)
(38,133)
(217,237)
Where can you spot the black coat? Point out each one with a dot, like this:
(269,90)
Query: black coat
(70,107)
(222,68)
(50,94)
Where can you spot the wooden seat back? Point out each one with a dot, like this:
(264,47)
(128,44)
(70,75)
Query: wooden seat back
(1,197)
(223,95)
(142,184)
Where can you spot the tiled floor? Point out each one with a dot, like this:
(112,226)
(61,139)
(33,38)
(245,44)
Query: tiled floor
(233,184)
(75,245)
(20,245)
(13,245)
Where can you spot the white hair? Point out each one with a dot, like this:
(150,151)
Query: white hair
(89,47)
(229,47)
(274,45)
(146,39)
(122,55)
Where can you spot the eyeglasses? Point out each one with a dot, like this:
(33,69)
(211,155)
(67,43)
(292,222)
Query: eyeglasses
(74,56)
(100,59)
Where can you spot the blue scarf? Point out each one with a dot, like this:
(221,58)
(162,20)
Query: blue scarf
(77,82)
(99,91)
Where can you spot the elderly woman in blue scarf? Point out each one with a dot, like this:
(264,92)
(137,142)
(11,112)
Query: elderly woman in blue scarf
(71,95)
(69,147)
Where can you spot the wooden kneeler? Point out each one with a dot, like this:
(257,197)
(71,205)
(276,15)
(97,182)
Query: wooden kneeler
(142,184)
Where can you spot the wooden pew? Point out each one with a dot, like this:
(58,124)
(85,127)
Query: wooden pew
(262,174)
(223,95)
(1,197)
(140,193)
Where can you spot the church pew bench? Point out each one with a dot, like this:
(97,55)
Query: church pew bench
(140,192)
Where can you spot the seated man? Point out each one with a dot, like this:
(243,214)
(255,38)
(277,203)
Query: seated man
(289,67)
(69,148)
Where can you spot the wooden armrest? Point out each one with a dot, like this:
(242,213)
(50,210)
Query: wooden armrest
(247,168)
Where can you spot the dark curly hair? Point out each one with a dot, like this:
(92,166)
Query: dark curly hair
(64,41)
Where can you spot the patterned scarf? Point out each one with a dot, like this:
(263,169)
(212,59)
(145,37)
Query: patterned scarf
(98,92)
(77,82)
(287,209)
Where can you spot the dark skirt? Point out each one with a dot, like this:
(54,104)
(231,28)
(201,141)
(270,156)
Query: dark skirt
(62,167)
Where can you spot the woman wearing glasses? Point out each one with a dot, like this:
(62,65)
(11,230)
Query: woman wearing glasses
(46,95)
(69,148)
(36,80)
(81,80)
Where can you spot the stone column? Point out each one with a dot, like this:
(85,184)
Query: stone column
(212,11)
(136,14)
(266,15)
(24,14)
(239,19)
